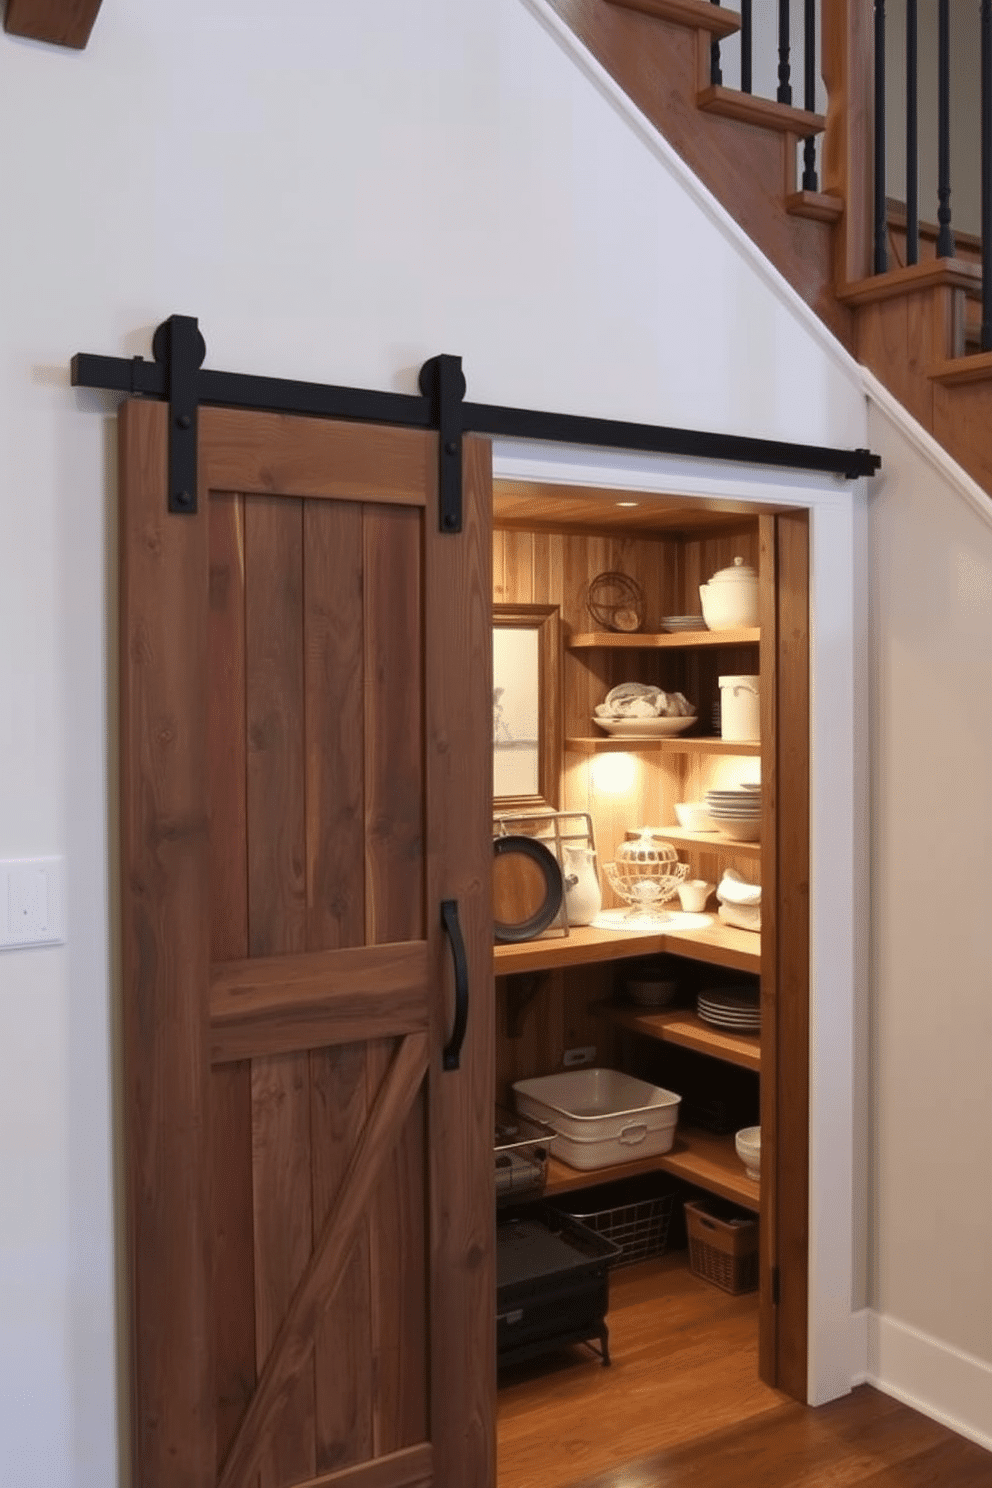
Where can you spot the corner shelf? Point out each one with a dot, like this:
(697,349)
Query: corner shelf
(669,744)
(707,1161)
(682,1027)
(708,841)
(636,640)
(717,944)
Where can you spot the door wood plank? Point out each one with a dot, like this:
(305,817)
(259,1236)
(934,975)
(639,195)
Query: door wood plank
(394,724)
(291,1350)
(463,1339)
(411,1468)
(234,1256)
(395,804)
(165,955)
(334,688)
(279,1004)
(285,455)
(334,681)
(277,924)
(344,1367)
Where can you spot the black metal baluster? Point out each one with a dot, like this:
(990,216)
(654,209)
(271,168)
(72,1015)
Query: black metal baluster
(716,76)
(912,139)
(986,175)
(881,251)
(945,238)
(784,94)
(809,93)
(746,46)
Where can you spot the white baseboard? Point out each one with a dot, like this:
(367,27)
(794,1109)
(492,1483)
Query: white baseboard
(860,1326)
(940,1381)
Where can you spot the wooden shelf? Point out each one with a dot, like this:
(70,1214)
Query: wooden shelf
(718,944)
(638,640)
(708,841)
(697,1157)
(680,1026)
(668,744)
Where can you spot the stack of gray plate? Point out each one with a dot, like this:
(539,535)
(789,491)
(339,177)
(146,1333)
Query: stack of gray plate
(674,623)
(730,1009)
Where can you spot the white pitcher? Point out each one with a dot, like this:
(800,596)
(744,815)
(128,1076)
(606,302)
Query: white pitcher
(583,896)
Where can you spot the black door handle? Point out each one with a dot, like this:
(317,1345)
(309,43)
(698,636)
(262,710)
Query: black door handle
(449,919)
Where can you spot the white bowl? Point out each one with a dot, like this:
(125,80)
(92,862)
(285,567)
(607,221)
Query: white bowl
(741,831)
(748,1144)
(693,816)
(644,728)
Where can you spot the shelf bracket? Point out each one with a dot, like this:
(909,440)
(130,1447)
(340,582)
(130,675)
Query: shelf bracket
(521,989)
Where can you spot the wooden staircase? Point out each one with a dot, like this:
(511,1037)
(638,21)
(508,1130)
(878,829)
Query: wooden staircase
(914,327)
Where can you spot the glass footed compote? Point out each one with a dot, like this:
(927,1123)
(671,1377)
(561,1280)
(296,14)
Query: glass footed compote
(646,874)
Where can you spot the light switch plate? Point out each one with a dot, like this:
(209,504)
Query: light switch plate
(32,902)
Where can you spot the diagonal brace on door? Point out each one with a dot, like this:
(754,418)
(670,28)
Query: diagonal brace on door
(325,1270)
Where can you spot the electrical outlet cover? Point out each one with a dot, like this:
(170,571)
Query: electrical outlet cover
(32,902)
(584,1055)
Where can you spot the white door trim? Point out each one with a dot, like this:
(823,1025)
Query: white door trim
(838,847)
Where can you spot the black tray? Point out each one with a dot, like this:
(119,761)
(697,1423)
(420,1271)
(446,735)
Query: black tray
(552,1284)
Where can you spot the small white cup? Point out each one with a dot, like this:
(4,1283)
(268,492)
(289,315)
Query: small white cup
(694,894)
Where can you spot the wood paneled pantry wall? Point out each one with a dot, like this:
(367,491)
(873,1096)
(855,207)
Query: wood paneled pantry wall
(540,565)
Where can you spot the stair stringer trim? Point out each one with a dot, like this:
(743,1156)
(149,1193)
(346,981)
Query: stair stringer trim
(942,462)
(718,215)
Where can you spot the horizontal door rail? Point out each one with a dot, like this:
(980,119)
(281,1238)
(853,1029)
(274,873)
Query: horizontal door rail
(177,376)
(278,1004)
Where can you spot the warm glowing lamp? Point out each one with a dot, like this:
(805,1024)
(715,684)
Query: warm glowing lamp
(612,774)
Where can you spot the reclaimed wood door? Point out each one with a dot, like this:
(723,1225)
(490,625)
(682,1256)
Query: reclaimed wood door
(305,781)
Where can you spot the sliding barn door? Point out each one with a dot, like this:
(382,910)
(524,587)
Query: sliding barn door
(306,781)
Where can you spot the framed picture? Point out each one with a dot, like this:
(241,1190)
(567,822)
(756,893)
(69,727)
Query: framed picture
(527,715)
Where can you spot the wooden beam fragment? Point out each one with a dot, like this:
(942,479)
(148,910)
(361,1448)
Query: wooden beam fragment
(63,22)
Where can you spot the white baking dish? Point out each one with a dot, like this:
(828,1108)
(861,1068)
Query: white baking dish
(602,1116)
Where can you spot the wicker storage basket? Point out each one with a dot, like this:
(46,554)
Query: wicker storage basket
(723,1247)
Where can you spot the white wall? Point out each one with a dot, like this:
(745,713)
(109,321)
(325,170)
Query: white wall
(337,193)
(931,801)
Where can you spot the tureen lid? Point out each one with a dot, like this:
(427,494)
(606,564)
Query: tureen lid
(738,571)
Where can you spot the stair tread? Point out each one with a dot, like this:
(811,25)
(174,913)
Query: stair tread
(954,372)
(696,13)
(952,272)
(767,113)
(820,205)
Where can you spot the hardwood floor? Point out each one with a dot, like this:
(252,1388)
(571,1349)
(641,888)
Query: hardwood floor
(682,1405)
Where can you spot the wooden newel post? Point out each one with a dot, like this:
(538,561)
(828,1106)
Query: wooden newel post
(847,50)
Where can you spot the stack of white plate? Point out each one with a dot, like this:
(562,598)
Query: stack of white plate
(682,622)
(735,1011)
(737,813)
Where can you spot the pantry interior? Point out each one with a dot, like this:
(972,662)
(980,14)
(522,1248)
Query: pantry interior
(560,999)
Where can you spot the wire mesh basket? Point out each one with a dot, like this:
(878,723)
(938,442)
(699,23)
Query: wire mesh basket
(639,1227)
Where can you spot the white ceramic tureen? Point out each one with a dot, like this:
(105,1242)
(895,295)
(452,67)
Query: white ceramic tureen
(730,599)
